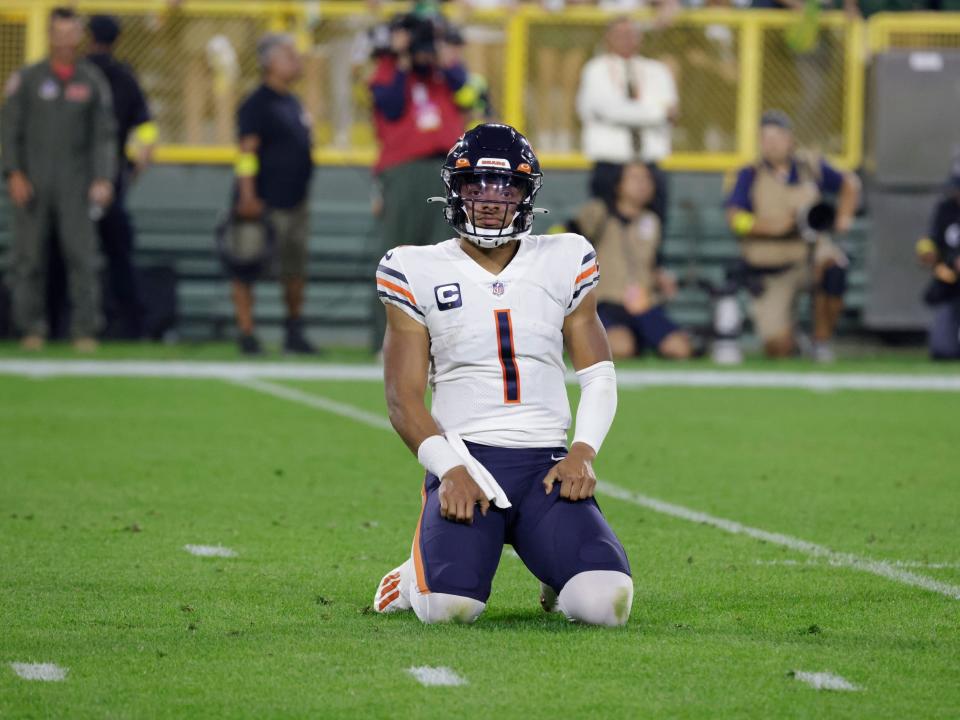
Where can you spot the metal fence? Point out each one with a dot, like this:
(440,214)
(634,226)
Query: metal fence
(195,59)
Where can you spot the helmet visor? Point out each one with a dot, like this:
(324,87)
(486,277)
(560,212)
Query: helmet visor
(490,200)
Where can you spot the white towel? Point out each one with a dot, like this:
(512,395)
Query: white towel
(490,487)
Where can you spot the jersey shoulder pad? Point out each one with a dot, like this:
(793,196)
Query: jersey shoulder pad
(583,268)
(395,285)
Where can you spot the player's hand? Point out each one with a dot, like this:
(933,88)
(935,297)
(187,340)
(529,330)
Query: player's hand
(575,473)
(101,193)
(458,495)
(20,189)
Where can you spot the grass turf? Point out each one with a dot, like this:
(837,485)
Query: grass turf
(105,480)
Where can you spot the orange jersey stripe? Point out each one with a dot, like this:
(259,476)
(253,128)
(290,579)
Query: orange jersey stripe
(585,274)
(396,288)
(417,557)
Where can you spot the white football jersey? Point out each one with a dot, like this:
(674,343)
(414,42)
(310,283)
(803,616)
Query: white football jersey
(496,341)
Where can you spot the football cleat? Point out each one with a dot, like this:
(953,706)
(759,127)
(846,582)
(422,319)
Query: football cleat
(548,598)
(393,592)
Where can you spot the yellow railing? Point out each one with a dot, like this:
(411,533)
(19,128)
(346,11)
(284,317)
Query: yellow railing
(196,61)
(931,30)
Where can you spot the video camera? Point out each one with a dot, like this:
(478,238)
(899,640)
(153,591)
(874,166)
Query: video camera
(424,34)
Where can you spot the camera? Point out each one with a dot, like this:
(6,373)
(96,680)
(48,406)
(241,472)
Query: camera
(816,219)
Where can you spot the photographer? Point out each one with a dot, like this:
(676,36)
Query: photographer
(417,121)
(763,210)
(940,251)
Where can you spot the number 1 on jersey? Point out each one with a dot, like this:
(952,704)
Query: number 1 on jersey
(508,358)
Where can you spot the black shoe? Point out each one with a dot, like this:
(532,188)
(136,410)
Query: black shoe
(295,342)
(249,345)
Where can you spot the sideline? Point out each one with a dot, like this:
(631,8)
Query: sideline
(626,379)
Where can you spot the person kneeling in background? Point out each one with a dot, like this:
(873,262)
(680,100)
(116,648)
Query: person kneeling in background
(940,250)
(633,285)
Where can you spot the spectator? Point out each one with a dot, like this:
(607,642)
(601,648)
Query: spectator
(136,136)
(273,171)
(417,121)
(634,285)
(58,155)
(626,104)
(940,250)
(763,210)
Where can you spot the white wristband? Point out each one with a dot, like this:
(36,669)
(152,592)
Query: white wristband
(438,456)
(598,403)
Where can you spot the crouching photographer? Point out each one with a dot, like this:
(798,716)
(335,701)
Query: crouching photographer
(776,209)
(940,251)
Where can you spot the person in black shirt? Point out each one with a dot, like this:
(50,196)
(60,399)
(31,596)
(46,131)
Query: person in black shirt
(273,171)
(136,135)
(940,250)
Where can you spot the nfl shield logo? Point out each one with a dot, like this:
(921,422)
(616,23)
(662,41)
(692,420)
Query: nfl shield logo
(498,288)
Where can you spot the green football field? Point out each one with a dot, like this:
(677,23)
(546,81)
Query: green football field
(772,533)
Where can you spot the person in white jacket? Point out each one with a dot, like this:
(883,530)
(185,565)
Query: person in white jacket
(627,104)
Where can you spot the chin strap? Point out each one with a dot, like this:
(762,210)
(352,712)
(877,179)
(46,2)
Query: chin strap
(485,242)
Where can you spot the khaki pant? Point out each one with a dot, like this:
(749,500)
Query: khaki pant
(65,213)
(772,310)
(290,227)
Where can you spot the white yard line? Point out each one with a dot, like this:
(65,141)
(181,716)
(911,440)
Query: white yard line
(815,381)
(875,567)
(316,401)
(840,559)
(895,563)
(47,672)
(210,551)
(432,676)
(824,681)
(189,369)
(374,373)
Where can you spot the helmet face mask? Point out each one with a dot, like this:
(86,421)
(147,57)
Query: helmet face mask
(491,178)
(490,204)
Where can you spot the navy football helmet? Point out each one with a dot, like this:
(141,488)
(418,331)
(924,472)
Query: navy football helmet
(492,177)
